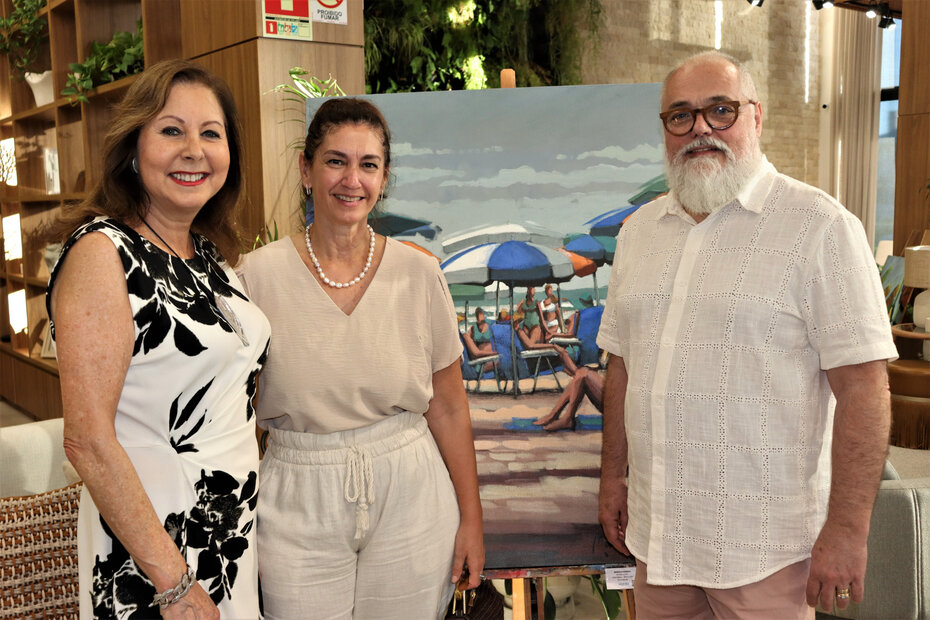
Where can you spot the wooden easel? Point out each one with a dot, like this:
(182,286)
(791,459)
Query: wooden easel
(521,578)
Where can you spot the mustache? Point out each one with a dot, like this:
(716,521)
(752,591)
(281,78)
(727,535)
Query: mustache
(701,142)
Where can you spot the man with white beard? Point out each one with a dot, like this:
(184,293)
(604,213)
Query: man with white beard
(746,399)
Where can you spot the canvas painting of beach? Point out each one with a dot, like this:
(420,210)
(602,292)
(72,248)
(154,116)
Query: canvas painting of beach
(513,190)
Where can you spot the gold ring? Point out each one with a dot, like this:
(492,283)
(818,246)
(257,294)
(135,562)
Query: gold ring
(842,593)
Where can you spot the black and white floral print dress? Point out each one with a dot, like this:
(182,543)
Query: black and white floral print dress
(186,421)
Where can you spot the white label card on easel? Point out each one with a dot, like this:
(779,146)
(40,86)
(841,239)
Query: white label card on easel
(620,577)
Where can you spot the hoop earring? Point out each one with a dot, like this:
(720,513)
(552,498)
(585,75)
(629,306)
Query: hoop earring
(135,165)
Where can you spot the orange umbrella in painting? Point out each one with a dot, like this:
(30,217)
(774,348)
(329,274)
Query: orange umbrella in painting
(420,248)
(583,266)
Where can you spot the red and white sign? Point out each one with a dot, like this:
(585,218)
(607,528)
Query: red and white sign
(288,19)
(330,11)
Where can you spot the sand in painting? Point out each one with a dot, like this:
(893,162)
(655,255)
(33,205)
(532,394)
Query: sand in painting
(538,488)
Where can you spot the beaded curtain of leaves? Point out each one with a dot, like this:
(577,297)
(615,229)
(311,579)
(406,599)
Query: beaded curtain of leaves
(107,62)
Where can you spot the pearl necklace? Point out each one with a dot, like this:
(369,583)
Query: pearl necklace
(319,270)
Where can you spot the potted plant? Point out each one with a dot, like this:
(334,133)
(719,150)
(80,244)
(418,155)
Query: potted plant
(121,57)
(22,35)
(305,86)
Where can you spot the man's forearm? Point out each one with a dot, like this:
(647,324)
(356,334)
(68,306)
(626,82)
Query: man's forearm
(860,442)
(614,446)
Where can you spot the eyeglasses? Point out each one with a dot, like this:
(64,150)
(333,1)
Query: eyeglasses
(719,115)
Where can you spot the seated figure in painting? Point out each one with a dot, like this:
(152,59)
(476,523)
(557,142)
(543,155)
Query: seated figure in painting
(533,338)
(480,333)
(477,339)
(552,323)
(585,382)
(528,314)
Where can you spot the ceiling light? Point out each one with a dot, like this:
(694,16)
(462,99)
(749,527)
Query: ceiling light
(887,20)
(822,4)
(871,13)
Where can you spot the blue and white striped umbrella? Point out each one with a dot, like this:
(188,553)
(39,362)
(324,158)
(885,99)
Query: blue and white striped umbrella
(516,263)
(608,224)
(498,233)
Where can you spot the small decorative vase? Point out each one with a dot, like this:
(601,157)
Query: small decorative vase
(42,87)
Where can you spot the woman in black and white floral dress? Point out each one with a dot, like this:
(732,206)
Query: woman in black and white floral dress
(158,353)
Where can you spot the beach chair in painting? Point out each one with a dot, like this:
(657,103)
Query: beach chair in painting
(473,368)
(587,323)
(528,363)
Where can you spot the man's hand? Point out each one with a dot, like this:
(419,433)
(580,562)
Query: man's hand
(612,512)
(837,562)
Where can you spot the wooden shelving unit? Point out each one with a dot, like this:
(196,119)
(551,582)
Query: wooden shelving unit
(225,36)
(60,136)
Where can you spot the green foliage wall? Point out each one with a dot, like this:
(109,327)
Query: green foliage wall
(419,45)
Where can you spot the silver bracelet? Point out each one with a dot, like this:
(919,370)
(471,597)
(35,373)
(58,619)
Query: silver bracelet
(175,594)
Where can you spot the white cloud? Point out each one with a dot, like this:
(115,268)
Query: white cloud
(649,152)
(408,174)
(399,149)
(600,173)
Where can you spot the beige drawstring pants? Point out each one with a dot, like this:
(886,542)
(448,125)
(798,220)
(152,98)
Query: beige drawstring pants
(357,524)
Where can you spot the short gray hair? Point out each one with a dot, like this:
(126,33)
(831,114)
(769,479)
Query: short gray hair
(747,85)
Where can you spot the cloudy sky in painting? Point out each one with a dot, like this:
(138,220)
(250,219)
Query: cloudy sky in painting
(554,156)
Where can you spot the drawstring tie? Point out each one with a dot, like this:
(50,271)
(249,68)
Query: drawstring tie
(359,487)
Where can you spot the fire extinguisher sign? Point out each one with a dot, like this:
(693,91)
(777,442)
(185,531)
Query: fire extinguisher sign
(288,19)
(330,11)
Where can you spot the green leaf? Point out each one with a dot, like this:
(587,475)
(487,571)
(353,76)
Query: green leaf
(611,600)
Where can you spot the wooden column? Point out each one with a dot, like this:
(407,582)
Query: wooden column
(912,161)
(226,37)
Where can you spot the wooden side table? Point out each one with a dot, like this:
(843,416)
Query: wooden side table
(909,382)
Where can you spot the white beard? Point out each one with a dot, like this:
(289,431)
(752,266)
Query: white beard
(704,185)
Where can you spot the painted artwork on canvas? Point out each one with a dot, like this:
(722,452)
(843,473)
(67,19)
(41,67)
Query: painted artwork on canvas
(524,190)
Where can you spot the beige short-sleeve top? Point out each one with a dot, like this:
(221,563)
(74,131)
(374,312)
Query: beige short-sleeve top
(328,371)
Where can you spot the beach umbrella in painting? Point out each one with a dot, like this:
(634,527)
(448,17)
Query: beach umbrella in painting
(516,263)
(429,231)
(582,265)
(420,248)
(390,224)
(498,233)
(608,224)
(650,190)
(586,265)
(598,248)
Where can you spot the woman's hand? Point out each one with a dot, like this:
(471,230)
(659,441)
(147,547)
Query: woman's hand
(469,552)
(450,423)
(195,605)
